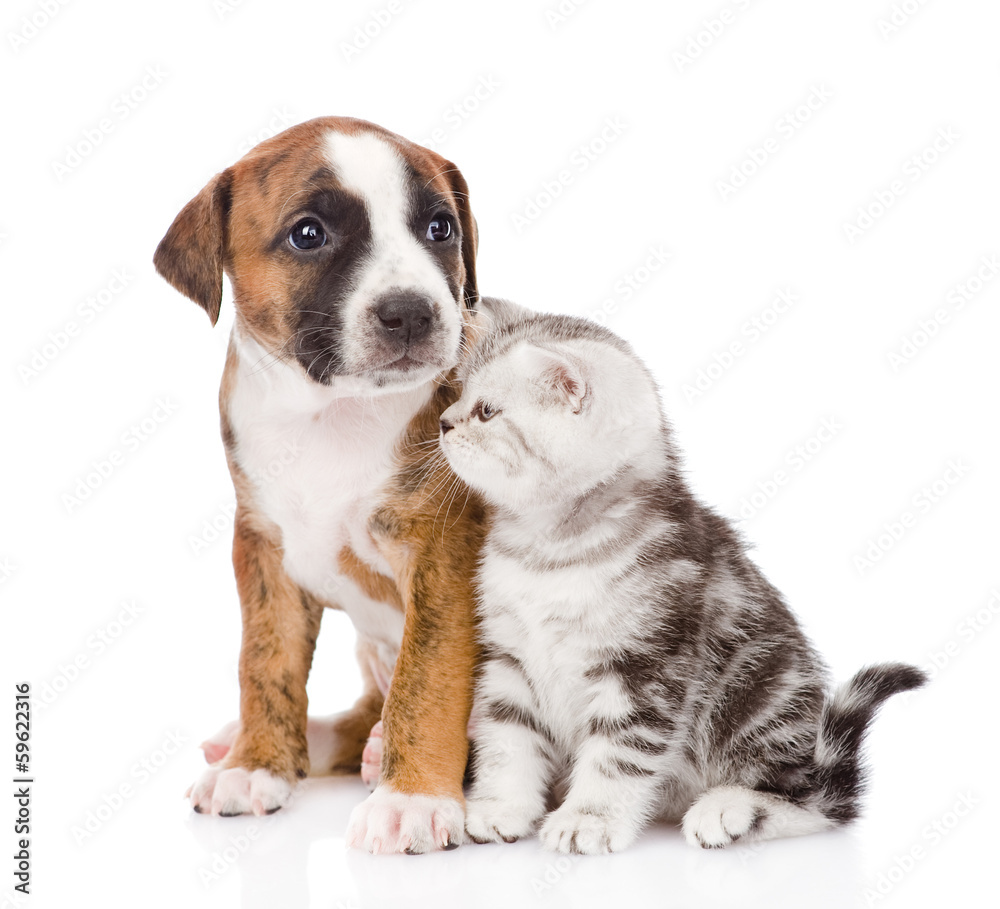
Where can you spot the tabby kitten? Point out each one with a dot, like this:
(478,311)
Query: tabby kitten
(634,657)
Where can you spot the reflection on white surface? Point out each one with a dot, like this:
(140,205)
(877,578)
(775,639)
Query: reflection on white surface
(298,858)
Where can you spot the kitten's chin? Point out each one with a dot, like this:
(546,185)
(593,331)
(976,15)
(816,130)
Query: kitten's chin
(519,498)
(462,464)
(471,472)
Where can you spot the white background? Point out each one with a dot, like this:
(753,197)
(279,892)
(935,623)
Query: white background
(83,364)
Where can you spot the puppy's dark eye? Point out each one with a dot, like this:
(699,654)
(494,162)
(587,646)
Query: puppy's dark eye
(439,229)
(307,234)
(484,411)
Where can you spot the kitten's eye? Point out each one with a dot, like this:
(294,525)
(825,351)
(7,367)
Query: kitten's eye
(307,234)
(439,229)
(484,411)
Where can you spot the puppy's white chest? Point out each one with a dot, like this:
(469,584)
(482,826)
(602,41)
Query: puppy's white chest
(319,488)
(318,461)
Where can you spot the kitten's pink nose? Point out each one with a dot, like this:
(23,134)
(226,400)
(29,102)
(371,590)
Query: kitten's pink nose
(446,426)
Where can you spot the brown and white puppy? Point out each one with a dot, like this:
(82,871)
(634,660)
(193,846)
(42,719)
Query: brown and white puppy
(351,254)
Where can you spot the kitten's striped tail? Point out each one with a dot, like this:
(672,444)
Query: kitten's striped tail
(840,773)
(831,793)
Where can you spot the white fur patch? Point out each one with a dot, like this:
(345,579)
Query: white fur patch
(371,168)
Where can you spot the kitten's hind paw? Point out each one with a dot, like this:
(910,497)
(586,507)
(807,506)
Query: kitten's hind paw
(496,821)
(722,816)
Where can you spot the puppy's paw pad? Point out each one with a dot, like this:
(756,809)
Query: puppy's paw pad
(389,821)
(217,746)
(572,831)
(229,792)
(371,758)
(495,821)
(723,816)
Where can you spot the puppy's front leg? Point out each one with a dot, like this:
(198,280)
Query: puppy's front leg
(280,625)
(418,805)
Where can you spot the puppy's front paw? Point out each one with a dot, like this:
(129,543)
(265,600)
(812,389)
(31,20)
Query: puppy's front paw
(496,821)
(723,815)
(570,830)
(230,791)
(390,821)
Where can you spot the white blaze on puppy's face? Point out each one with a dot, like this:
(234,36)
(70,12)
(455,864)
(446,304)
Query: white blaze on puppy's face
(399,261)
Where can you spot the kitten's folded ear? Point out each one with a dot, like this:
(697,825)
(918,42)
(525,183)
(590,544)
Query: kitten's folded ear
(559,374)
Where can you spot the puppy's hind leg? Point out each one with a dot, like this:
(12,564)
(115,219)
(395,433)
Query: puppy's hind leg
(343,743)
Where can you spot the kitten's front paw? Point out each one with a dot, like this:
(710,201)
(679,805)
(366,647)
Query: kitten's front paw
(570,830)
(723,815)
(230,791)
(496,821)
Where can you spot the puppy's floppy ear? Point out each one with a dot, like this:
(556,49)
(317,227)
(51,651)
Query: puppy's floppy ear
(470,234)
(192,253)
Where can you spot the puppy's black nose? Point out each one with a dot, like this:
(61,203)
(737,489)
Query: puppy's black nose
(446,426)
(405,317)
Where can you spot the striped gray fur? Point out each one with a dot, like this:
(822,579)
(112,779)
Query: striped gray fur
(636,661)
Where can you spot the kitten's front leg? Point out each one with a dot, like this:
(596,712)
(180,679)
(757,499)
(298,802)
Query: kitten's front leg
(511,763)
(612,795)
